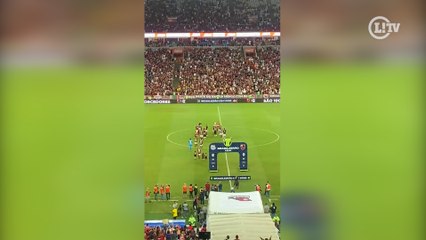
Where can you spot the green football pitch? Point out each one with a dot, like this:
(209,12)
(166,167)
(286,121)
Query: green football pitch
(168,160)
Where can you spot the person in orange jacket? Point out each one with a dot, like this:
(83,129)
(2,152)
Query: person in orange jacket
(258,188)
(191,191)
(168,192)
(155,192)
(162,191)
(268,189)
(147,195)
(184,190)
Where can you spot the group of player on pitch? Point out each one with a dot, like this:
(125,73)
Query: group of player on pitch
(201,134)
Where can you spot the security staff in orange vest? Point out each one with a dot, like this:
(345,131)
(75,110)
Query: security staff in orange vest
(163,197)
(184,190)
(155,191)
(168,192)
(191,191)
(268,189)
(147,195)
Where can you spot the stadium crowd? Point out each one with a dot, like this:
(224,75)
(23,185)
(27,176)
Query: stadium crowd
(159,70)
(202,42)
(211,15)
(170,232)
(213,71)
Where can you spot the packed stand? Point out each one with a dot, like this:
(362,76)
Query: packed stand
(213,71)
(209,42)
(171,232)
(211,15)
(159,70)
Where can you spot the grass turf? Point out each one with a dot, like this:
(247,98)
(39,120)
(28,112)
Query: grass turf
(167,159)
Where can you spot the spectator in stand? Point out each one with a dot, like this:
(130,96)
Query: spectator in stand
(211,42)
(203,228)
(158,72)
(213,71)
(171,232)
(208,16)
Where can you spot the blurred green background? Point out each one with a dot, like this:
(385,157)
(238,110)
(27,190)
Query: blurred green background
(353,140)
(352,121)
(72,153)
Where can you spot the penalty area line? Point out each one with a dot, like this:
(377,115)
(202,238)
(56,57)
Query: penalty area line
(226,155)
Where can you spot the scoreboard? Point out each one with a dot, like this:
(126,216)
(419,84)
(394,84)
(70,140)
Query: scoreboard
(216,148)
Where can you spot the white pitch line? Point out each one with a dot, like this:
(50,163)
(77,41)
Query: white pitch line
(220,118)
(226,155)
(172,133)
(227,166)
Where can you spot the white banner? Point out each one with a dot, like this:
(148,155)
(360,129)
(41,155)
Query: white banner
(243,202)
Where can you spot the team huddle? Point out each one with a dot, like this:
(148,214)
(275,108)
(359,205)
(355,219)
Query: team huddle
(200,134)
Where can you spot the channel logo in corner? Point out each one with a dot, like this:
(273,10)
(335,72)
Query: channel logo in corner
(380,27)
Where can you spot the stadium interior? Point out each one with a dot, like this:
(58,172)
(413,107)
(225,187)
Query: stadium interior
(212,48)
